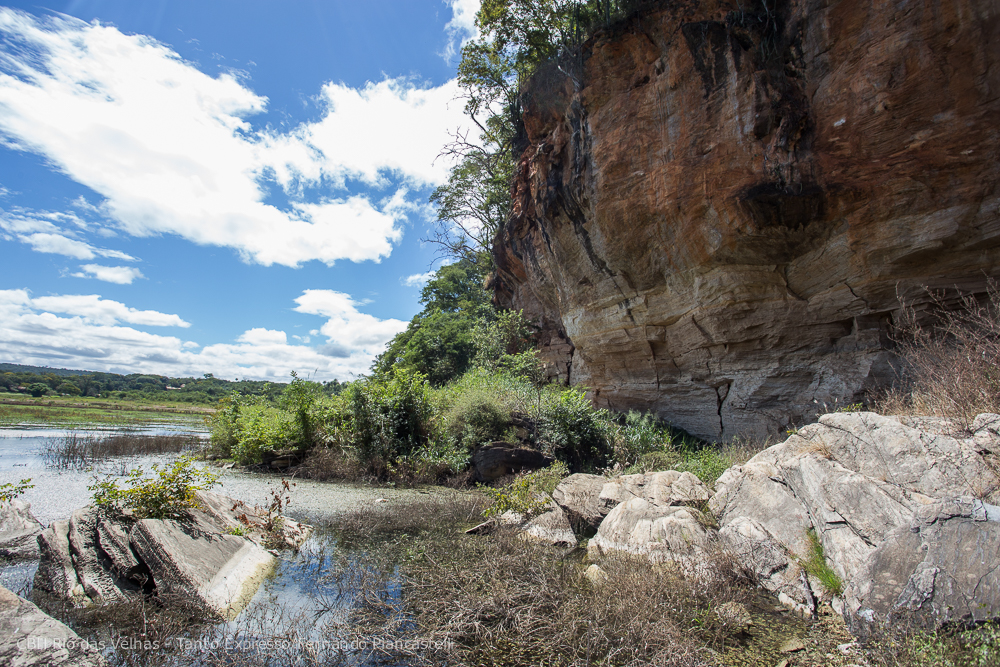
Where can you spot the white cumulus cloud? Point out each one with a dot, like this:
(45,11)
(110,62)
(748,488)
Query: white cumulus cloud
(172,150)
(88,332)
(346,325)
(53,232)
(462,26)
(418,279)
(93,308)
(120,275)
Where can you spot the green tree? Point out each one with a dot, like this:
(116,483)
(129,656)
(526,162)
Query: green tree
(68,388)
(298,398)
(439,342)
(515,38)
(38,389)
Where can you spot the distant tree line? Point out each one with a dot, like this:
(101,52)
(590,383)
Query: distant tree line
(206,389)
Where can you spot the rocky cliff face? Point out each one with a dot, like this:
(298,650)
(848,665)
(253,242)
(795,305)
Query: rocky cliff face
(718,206)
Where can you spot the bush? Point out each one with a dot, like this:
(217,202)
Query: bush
(637,437)
(952,646)
(475,410)
(390,416)
(168,494)
(576,431)
(222,424)
(951,360)
(528,494)
(298,398)
(506,345)
(260,428)
(244,427)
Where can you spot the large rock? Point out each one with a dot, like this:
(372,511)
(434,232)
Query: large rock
(551,527)
(497,459)
(715,205)
(579,497)
(56,575)
(219,573)
(662,489)
(659,533)
(212,559)
(31,638)
(854,479)
(944,567)
(19,531)
(92,564)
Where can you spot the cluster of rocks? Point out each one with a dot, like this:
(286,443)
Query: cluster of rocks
(212,559)
(902,510)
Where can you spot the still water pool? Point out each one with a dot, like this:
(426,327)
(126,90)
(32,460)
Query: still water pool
(309,595)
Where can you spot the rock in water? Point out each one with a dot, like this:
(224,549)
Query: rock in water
(56,575)
(29,637)
(95,559)
(217,572)
(19,531)
(713,214)
(91,563)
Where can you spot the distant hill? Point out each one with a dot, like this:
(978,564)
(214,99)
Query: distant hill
(41,370)
(42,380)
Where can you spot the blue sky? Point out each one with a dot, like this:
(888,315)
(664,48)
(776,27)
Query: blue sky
(213,186)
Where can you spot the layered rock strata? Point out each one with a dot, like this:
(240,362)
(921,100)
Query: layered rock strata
(718,203)
(212,560)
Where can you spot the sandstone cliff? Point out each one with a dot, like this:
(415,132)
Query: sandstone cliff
(719,201)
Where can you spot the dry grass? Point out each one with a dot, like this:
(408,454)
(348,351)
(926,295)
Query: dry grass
(501,600)
(951,359)
(79,451)
(407,571)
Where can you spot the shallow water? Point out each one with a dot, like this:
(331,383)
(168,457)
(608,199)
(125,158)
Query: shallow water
(309,594)
(57,492)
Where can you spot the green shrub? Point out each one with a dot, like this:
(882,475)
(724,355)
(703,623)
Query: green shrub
(528,494)
(473,412)
(168,494)
(506,345)
(667,459)
(260,428)
(954,646)
(707,463)
(390,415)
(576,431)
(298,399)
(636,435)
(222,424)
(433,462)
